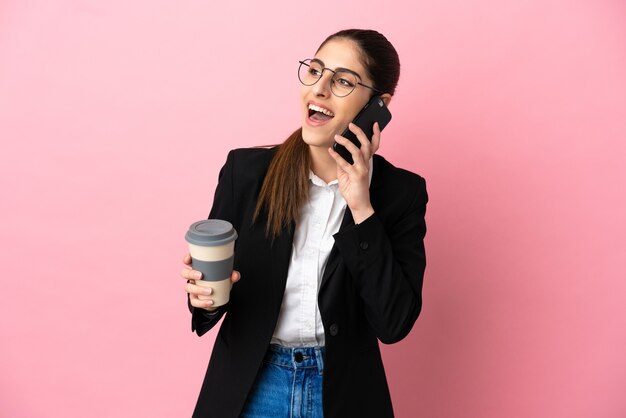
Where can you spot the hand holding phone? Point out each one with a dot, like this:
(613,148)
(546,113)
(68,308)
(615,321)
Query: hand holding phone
(374,111)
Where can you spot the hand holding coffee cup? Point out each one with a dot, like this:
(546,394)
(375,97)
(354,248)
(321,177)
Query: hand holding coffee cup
(211,247)
(194,291)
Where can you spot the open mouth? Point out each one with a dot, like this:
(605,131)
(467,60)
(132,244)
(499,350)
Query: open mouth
(319,114)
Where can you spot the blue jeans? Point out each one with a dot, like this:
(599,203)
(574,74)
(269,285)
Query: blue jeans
(289,384)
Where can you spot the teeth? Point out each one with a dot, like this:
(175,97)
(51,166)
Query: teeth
(321,109)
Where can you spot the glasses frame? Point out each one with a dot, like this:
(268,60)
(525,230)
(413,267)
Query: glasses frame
(307,62)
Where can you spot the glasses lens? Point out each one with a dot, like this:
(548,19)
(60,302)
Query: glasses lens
(309,72)
(343,83)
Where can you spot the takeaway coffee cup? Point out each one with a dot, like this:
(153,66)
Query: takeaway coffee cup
(211,245)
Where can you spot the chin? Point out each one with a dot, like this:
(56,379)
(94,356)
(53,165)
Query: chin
(316,139)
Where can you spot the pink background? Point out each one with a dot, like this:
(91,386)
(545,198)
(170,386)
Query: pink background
(116,116)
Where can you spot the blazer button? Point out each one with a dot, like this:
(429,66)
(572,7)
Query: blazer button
(334,329)
(364,245)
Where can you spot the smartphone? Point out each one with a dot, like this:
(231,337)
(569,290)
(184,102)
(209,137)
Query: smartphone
(374,111)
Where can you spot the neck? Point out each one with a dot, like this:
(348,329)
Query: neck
(322,164)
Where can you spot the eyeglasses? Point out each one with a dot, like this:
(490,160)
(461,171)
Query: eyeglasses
(342,83)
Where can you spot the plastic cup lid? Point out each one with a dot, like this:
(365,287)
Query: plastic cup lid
(211,232)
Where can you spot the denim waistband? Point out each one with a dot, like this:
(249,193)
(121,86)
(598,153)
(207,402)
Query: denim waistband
(296,357)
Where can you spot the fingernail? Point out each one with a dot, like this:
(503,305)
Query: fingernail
(209,303)
(208,291)
(197,275)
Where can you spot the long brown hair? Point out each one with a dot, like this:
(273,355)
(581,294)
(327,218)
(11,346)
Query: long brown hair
(286,186)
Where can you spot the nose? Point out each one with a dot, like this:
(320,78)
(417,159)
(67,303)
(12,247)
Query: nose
(322,87)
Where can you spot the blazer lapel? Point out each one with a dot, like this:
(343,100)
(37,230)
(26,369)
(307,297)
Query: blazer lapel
(281,257)
(333,258)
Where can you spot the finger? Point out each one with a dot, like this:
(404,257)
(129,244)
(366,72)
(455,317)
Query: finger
(235,276)
(193,289)
(338,160)
(195,292)
(189,274)
(200,303)
(357,156)
(375,139)
(364,149)
(360,135)
(187,259)
(341,163)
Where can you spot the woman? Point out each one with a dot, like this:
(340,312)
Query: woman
(330,254)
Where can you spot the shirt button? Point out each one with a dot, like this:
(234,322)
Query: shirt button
(364,245)
(334,330)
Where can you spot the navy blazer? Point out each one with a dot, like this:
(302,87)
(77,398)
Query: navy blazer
(370,290)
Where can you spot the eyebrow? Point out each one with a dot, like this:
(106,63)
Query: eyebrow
(320,62)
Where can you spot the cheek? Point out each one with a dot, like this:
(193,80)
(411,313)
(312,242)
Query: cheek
(351,112)
(358,102)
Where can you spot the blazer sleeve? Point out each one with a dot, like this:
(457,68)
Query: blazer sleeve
(223,208)
(388,266)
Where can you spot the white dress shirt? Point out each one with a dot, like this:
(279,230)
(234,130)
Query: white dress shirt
(299,322)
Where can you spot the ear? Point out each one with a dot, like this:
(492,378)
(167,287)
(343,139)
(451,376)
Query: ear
(386,98)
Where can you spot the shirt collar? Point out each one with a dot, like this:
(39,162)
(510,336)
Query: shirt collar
(319,182)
